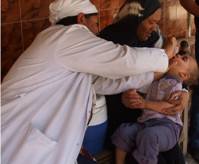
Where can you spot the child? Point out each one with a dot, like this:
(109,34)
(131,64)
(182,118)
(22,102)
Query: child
(155,132)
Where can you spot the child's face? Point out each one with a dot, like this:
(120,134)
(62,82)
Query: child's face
(180,66)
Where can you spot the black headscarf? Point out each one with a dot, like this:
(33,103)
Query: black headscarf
(125,30)
(150,6)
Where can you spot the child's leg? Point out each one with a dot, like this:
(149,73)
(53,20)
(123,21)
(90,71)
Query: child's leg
(124,139)
(152,140)
(120,156)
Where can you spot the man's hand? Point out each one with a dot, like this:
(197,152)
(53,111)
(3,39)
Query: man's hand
(170,47)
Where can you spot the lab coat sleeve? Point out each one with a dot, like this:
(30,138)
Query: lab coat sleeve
(81,51)
(105,86)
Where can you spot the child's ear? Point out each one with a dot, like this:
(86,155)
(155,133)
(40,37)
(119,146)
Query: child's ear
(81,18)
(184,76)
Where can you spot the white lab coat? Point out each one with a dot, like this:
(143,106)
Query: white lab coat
(47,96)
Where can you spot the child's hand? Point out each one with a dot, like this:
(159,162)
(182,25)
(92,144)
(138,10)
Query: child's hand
(170,46)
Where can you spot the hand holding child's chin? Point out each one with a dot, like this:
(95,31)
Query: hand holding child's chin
(170,47)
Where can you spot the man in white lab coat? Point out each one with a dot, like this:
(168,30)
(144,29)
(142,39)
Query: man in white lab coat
(48,94)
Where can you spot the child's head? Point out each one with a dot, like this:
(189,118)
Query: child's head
(185,68)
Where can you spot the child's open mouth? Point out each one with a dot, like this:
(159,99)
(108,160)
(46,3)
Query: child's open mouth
(172,61)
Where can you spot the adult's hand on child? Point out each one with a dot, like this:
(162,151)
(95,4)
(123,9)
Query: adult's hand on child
(130,98)
(170,46)
(138,103)
(164,107)
(180,100)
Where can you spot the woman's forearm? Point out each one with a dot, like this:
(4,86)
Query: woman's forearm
(158,106)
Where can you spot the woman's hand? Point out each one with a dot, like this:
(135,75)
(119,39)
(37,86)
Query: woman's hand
(180,100)
(160,107)
(131,99)
(177,102)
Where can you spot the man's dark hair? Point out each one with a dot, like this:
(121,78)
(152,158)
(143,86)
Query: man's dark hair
(72,19)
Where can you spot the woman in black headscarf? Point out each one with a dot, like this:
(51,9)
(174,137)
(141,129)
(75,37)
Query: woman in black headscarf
(136,26)
(133,25)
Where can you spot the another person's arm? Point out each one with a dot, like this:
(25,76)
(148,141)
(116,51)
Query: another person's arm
(180,100)
(170,107)
(106,86)
(89,54)
(157,106)
(138,102)
(190,6)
